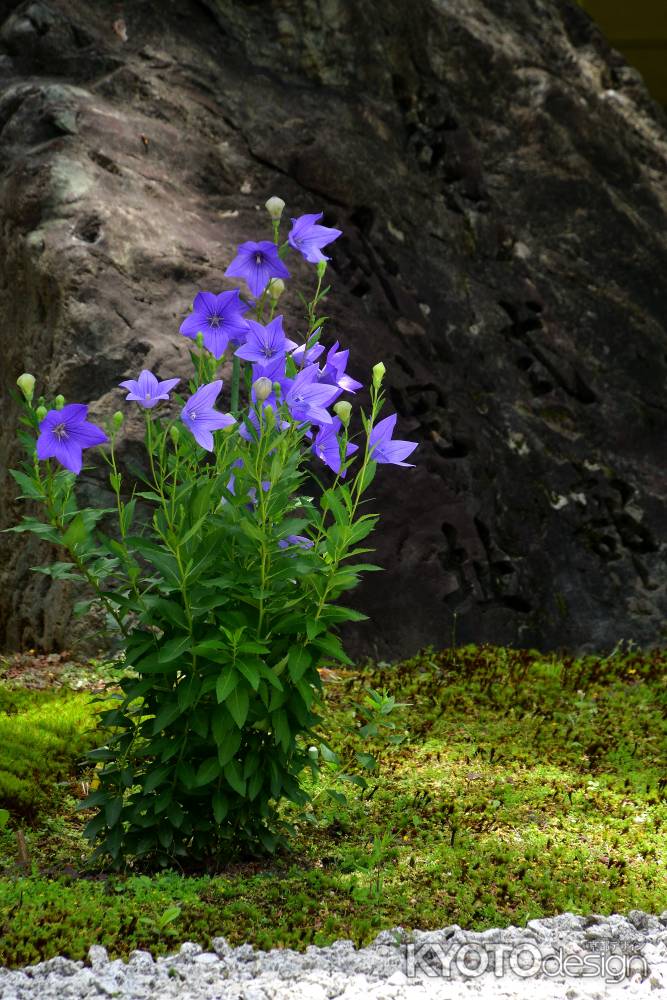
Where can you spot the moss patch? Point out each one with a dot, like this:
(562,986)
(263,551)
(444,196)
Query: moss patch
(524,786)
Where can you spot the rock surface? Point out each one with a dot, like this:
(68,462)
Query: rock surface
(499,175)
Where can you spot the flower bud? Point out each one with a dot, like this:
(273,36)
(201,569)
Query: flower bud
(378,374)
(262,388)
(40,413)
(59,402)
(117,420)
(343,409)
(174,434)
(321,268)
(199,339)
(276,288)
(274,207)
(26,384)
(277,389)
(270,417)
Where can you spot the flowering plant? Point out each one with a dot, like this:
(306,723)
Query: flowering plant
(223,575)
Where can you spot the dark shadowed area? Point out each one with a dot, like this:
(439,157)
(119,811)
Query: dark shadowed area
(499,175)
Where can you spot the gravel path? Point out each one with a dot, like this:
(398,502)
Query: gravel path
(565,956)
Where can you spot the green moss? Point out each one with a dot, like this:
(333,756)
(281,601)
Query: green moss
(524,786)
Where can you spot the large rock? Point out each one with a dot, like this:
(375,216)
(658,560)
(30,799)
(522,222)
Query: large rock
(499,175)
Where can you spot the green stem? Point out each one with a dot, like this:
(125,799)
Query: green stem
(236,378)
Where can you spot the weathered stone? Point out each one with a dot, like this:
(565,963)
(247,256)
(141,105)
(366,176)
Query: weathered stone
(498,173)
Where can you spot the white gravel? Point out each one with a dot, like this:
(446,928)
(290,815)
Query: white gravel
(566,956)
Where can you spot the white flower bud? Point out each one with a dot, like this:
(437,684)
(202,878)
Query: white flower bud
(378,374)
(26,384)
(263,388)
(274,207)
(343,409)
(276,288)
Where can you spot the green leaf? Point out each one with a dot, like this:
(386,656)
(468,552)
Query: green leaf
(76,533)
(149,495)
(255,784)
(367,761)
(298,661)
(156,777)
(59,571)
(186,774)
(281,729)
(369,475)
(250,671)
(331,645)
(238,704)
(208,771)
(164,718)
(314,627)
(225,684)
(174,648)
(163,799)
(232,773)
(328,755)
(220,806)
(112,811)
(31,490)
(227,740)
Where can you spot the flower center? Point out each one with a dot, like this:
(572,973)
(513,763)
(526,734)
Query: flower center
(193,415)
(148,395)
(259,258)
(268,352)
(215,321)
(60,431)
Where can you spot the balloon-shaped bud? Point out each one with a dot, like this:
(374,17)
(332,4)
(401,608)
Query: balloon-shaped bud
(59,402)
(199,339)
(26,384)
(262,388)
(343,409)
(41,412)
(175,435)
(277,389)
(321,268)
(276,288)
(378,374)
(117,420)
(274,207)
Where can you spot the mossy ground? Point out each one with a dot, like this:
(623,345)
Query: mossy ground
(525,785)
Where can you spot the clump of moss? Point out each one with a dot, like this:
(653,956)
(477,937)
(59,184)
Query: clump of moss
(520,786)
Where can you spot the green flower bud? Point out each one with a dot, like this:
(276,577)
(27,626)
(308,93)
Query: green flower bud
(343,409)
(59,402)
(26,384)
(175,435)
(276,288)
(270,417)
(199,339)
(321,268)
(262,387)
(274,207)
(378,374)
(277,390)
(117,420)
(40,413)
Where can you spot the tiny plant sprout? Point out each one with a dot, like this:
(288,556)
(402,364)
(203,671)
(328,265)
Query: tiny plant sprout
(274,207)
(26,384)
(59,402)
(378,374)
(262,388)
(343,409)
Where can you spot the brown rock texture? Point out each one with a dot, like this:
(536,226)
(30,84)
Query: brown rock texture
(499,175)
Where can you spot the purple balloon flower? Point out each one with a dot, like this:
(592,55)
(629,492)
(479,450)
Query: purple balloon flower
(385,451)
(219,318)
(333,372)
(147,391)
(299,540)
(307,399)
(303,357)
(200,417)
(63,434)
(257,263)
(265,343)
(309,238)
(327,446)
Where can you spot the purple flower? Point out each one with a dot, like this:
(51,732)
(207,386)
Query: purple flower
(219,318)
(265,343)
(307,399)
(300,540)
(200,417)
(327,446)
(63,434)
(257,263)
(333,372)
(147,391)
(269,403)
(385,451)
(303,357)
(309,238)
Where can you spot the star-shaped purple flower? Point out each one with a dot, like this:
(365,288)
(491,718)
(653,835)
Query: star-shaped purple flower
(200,417)
(299,540)
(307,399)
(147,391)
(327,446)
(333,372)
(63,434)
(219,318)
(257,263)
(265,343)
(309,238)
(303,357)
(385,451)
